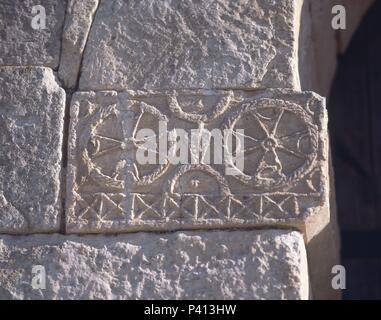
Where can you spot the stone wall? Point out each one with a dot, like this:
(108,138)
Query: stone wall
(73,97)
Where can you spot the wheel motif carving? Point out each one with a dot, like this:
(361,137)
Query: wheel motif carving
(275,156)
(122,147)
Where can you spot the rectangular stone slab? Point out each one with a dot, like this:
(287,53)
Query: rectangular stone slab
(20,43)
(149,44)
(31,127)
(184,265)
(284,180)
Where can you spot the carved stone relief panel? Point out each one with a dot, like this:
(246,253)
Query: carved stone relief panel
(282,137)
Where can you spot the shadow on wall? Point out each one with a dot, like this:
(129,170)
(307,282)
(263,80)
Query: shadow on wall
(355,131)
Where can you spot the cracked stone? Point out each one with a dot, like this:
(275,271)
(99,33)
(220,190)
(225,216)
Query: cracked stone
(79,16)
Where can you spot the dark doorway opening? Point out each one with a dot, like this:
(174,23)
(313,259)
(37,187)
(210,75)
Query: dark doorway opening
(355,131)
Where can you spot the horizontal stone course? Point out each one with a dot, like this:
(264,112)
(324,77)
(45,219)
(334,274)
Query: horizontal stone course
(149,44)
(183,265)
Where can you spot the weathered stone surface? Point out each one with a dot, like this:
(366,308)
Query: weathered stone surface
(191,44)
(79,16)
(184,265)
(20,44)
(284,180)
(31,127)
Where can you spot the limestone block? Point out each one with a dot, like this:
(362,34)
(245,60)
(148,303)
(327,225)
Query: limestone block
(284,179)
(149,44)
(79,16)
(20,43)
(183,265)
(31,125)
